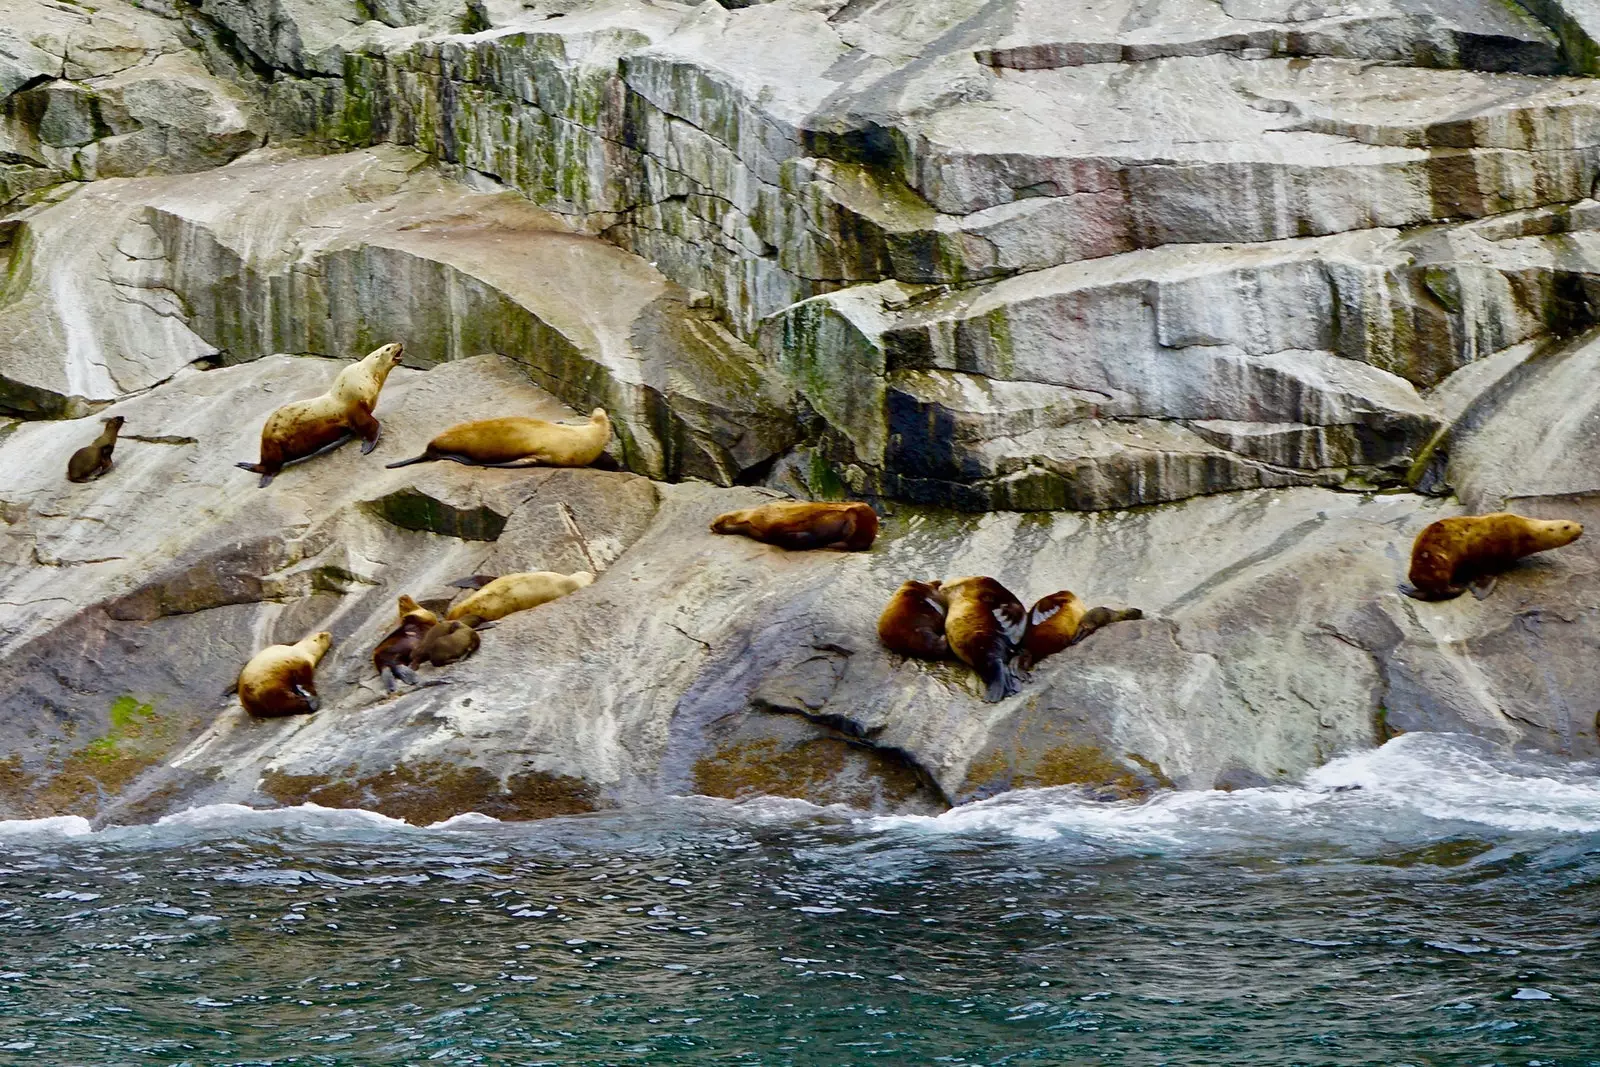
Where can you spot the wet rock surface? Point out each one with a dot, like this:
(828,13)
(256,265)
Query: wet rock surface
(1201,308)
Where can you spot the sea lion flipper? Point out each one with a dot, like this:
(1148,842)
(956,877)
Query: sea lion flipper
(424,458)
(1482,587)
(266,480)
(370,443)
(475,581)
(405,674)
(312,704)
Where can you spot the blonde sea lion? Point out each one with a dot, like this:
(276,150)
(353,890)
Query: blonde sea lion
(281,679)
(803,524)
(392,657)
(498,597)
(913,622)
(306,428)
(91,461)
(1452,554)
(520,442)
(1059,620)
(983,622)
(451,640)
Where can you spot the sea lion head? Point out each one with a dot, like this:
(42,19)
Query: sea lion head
(319,643)
(114,422)
(1562,532)
(581,578)
(389,355)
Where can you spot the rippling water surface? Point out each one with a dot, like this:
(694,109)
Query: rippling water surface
(1428,903)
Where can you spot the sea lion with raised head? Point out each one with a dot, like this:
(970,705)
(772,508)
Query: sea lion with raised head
(984,622)
(451,640)
(913,622)
(307,428)
(498,597)
(798,525)
(91,461)
(1451,555)
(393,655)
(281,679)
(520,442)
(1059,620)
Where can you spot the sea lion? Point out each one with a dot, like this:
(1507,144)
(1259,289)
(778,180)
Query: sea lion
(801,524)
(913,622)
(392,657)
(983,622)
(281,679)
(1451,554)
(91,461)
(498,597)
(1059,620)
(306,428)
(520,442)
(451,640)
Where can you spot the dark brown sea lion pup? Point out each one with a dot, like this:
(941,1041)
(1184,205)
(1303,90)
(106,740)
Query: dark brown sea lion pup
(393,655)
(281,679)
(520,442)
(913,623)
(1450,555)
(91,461)
(1059,620)
(801,524)
(451,640)
(306,428)
(984,622)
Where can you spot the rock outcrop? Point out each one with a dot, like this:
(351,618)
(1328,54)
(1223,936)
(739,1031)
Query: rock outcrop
(1204,308)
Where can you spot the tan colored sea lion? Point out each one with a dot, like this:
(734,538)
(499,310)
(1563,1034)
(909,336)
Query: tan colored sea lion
(1059,620)
(393,655)
(802,524)
(91,461)
(520,442)
(913,622)
(306,428)
(1452,554)
(983,622)
(281,679)
(451,640)
(498,597)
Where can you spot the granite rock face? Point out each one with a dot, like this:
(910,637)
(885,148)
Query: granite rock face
(1205,308)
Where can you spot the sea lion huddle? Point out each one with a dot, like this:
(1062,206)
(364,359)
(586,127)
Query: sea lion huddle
(985,626)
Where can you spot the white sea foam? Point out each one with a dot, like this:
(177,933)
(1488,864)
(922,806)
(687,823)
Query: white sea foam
(57,826)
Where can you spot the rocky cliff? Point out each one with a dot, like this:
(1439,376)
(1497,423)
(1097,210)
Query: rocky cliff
(1205,307)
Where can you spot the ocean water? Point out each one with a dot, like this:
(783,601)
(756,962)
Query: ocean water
(1432,902)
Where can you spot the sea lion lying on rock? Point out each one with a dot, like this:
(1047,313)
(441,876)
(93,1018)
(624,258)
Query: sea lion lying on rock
(306,428)
(913,622)
(984,623)
(802,524)
(520,442)
(393,655)
(1452,554)
(449,641)
(498,597)
(93,460)
(1059,620)
(281,679)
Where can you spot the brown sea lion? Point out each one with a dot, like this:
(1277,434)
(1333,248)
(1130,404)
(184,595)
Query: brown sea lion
(307,428)
(281,679)
(983,623)
(520,442)
(1059,620)
(91,461)
(1452,554)
(498,597)
(392,657)
(451,640)
(913,623)
(802,524)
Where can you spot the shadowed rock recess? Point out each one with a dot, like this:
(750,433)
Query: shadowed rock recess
(1201,307)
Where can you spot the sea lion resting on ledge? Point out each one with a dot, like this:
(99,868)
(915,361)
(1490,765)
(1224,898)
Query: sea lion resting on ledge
(984,623)
(449,641)
(306,428)
(93,460)
(1451,554)
(393,655)
(498,597)
(802,524)
(520,442)
(913,622)
(1059,620)
(281,679)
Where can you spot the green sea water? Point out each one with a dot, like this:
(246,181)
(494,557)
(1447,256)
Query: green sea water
(1433,902)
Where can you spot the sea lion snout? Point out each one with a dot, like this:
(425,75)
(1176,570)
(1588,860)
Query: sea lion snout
(392,352)
(1568,531)
(114,422)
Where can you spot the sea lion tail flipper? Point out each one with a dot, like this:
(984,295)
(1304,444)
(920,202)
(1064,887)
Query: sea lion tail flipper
(388,675)
(1482,587)
(1000,680)
(475,581)
(424,458)
(253,468)
(405,674)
